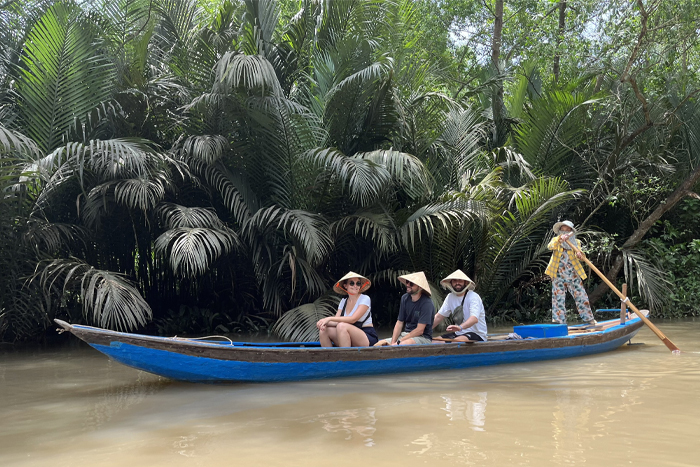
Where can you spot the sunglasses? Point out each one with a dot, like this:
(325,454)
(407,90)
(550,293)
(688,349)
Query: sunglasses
(353,283)
(409,284)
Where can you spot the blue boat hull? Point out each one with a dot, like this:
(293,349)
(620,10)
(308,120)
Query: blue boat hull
(197,361)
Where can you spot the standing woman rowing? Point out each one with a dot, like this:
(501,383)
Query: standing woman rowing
(352,324)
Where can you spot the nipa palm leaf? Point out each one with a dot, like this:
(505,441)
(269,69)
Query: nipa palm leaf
(191,251)
(299,324)
(63,74)
(109,299)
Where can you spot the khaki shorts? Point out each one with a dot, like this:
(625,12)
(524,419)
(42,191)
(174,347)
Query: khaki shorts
(420,340)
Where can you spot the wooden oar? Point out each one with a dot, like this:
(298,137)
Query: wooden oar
(598,328)
(671,346)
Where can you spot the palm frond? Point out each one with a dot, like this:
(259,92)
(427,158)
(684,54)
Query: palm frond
(239,72)
(92,208)
(285,132)
(651,283)
(377,227)
(62,74)
(52,237)
(551,136)
(191,251)
(365,180)
(139,193)
(96,124)
(513,162)
(458,148)
(258,25)
(174,216)
(13,142)
(309,230)
(424,221)
(294,50)
(301,271)
(113,158)
(349,107)
(125,20)
(464,132)
(299,324)
(234,189)
(340,21)
(109,299)
(406,170)
(365,75)
(526,86)
(207,148)
(179,43)
(54,175)
(24,310)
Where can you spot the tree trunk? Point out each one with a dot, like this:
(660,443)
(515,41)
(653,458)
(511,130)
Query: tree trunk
(497,33)
(683,190)
(497,101)
(560,38)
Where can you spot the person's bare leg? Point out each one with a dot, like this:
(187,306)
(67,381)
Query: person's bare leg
(462,339)
(351,336)
(327,336)
(358,338)
(324,339)
(342,337)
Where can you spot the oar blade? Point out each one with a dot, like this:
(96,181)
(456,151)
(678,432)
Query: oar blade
(671,346)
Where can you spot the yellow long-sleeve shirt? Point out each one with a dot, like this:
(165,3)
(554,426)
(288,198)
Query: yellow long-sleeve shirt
(557,251)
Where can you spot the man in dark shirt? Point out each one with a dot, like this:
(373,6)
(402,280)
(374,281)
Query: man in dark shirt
(416,312)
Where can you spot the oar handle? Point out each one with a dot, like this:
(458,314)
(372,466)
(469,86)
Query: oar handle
(646,321)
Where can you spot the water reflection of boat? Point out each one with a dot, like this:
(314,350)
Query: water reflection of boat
(206,361)
(353,422)
(470,406)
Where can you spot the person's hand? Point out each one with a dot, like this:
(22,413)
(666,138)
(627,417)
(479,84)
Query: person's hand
(395,343)
(564,237)
(453,328)
(321,324)
(579,255)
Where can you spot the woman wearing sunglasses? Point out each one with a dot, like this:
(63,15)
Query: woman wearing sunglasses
(352,324)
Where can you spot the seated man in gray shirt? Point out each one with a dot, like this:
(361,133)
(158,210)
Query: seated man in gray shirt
(415,313)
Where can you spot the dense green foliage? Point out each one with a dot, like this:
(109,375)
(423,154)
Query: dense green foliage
(215,166)
(676,244)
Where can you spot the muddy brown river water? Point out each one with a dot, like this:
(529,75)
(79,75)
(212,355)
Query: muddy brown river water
(638,406)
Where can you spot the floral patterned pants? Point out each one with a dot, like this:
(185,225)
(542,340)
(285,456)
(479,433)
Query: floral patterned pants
(567,279)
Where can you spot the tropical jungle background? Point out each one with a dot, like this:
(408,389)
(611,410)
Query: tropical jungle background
(205,166)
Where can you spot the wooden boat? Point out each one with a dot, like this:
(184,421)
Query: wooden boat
(206,361)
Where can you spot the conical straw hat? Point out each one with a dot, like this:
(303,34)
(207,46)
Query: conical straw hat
(338,287)
(459,275)
(417,278)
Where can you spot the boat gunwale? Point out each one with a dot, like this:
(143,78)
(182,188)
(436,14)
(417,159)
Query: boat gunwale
(225,351)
